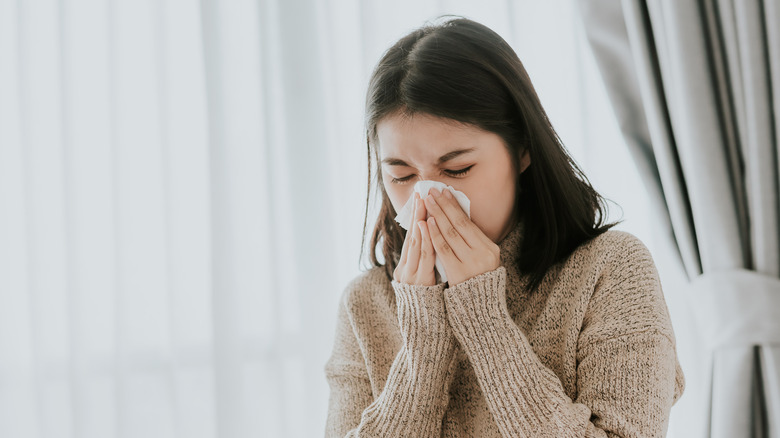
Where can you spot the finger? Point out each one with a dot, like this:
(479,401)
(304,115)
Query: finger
(408,235)
(413,256)
(468,230)
(415,207)
(422,212)
(446,228)
(427,256)
(473,234)
(440,245)
(419,216)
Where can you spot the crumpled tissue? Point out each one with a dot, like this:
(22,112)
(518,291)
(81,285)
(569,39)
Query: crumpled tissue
(404,217)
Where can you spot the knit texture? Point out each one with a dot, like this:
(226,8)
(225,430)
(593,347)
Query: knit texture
(591,354)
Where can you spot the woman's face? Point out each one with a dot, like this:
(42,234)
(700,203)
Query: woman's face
(425,147)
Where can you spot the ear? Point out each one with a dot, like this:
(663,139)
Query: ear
(525,160)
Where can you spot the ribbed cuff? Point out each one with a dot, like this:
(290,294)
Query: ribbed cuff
(479,300)
(422,315)
(417,390)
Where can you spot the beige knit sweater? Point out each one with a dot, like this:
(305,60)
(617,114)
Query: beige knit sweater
(593,354)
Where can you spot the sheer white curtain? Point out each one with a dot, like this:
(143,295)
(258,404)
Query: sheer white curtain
(182,188)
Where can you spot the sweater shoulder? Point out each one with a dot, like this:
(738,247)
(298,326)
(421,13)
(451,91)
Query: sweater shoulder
(616,248)
(368,286)
(617,240)
(626,283)
(618,256)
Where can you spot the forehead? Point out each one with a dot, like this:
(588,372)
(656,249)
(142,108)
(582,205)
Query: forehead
(424,136)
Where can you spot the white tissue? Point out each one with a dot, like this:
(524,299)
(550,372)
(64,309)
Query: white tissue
(404,217)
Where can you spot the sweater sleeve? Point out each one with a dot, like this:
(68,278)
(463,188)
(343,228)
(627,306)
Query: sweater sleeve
(625,374)
(416,393)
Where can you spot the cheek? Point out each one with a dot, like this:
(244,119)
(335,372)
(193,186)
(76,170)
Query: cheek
(488,204)
(397,196)
(390,189)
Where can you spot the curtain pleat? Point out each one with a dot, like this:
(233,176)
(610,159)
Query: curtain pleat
(770,379)
(771,18)
(737,313)
(660,144)
(142,350)
(731,395)
(42,179)
(89,186)
(760,149)
(708,78)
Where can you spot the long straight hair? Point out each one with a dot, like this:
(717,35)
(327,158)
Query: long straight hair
(461,70)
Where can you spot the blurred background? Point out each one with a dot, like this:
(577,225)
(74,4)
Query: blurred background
(182,193)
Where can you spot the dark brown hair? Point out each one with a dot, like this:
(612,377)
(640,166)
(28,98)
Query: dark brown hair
(462,70)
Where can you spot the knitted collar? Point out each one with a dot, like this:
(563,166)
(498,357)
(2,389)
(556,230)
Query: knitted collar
(510,245)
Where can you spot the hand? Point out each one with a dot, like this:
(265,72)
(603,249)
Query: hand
(464,249)
(417,256)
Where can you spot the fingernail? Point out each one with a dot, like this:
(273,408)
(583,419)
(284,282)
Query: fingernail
(448,194)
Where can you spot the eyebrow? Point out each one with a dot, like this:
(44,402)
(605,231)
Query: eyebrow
(391,161)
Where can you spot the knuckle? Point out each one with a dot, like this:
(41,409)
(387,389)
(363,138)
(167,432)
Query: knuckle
(452,232)
(463,221)
(446,247)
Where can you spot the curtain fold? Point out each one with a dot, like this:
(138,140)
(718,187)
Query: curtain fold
(742,384)
(696,84)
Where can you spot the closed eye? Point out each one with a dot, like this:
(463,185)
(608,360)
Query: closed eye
(453,173)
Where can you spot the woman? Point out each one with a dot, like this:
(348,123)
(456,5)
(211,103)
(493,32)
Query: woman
(549,323)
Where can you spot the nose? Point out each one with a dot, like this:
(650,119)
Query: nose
(422,178)
(429,180)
